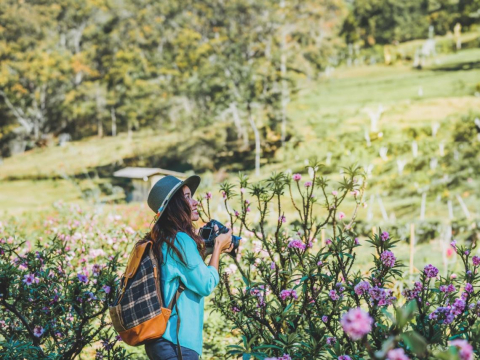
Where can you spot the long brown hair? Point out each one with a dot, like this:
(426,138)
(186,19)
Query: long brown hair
(177,217)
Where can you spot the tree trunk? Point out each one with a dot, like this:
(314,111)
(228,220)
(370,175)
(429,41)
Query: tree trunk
(283,72)
(257,140)
(242,131)
(114,121)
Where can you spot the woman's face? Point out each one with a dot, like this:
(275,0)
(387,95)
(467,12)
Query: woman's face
(193,203)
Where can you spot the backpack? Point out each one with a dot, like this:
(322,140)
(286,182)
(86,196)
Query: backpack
(138,313)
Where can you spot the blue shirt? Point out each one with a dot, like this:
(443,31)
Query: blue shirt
(199,279)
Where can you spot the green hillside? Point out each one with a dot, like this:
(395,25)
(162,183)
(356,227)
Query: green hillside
(327,116)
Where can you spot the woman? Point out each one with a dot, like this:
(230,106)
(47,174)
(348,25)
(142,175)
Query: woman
(181,252)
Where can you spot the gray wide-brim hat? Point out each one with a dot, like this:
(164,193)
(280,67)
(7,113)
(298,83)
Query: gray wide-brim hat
(163,190)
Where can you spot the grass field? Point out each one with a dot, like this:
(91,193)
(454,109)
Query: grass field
(327,116)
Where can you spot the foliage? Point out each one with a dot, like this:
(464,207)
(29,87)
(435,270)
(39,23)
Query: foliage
(293,298)
(54,296)
(389,21)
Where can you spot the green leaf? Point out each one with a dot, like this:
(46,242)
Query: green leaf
(415,342)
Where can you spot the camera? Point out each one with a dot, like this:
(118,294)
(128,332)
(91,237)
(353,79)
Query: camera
(209,234)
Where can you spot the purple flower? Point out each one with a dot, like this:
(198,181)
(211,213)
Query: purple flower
(469,288)
(282,219)
(385,235)
(344,357)
(331,340)
(362,287)
(356,323)
(284,294)
(388,259)
(82,278)
(272,265)
(333,295)
(297,244)
(324,318)
(106,288)
(476,260)
(38,331)
(297,177)
(357,242)
(430,271)
(308,184)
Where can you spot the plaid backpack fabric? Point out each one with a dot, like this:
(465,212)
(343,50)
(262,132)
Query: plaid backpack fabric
(138,313)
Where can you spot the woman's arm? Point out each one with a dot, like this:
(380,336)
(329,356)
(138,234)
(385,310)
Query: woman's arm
(197,276)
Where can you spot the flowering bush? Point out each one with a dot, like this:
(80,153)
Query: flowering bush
(295,298)
(54,296)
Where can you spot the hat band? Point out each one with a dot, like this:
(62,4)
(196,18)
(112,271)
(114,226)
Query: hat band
(164,204)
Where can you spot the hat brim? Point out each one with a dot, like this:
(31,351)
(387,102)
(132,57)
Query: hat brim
(192,182)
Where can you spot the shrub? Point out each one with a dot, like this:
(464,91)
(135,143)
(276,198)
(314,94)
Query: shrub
(54,297)
(293,298)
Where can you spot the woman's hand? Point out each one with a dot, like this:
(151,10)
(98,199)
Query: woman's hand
(224,242)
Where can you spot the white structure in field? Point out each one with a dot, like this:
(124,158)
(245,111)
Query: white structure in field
(143,179)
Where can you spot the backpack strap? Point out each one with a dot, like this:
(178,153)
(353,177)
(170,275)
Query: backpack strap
(133,263)
(181,287)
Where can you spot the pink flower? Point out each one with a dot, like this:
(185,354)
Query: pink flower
(235,309)
(385,235)
(465,350)
(320,263)
(208,195)
(397,354)
(344,357)
(297,177)
(355,192)
(237,214)
(308,184)
(38,331)
(453,276)
(282,219)
(328,242)
(357,242)
(224,194)
(356,323)
(333,295)
(341,215)
(334,193)
(30,279)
